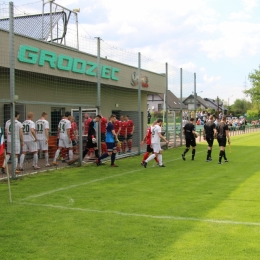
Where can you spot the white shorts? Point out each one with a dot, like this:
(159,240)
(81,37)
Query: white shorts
(42,145)
(17,147)
(30,146)
(156,148)
(65,143)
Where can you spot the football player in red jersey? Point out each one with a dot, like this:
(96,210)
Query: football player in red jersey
(123,133)
(147,138)
(130,131)
(103,126)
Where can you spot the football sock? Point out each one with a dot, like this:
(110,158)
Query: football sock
(15,162)
(70,154)
(156,159)
(145,156)
(193,153)
(7,159)
(159,157)
(22,160)
(224,155)
(35,159)
(113,157)
(130,145)
(103,156)
(56,155)
(46,158)
(151,157)
(220,155)
(185,151)
(85,152)
(208,154)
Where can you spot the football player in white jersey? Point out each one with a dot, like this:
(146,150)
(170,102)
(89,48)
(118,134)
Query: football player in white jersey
(155,143)
(64,137)
(18,139)
(42,134)
(30,141)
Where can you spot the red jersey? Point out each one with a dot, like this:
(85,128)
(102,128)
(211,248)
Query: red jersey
(123,130)
(130,125)
(148,135)
(117,125)
(74,126)
(72,136)
(86,125)
(103,125)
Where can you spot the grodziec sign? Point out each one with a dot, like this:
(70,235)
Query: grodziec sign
(33,55)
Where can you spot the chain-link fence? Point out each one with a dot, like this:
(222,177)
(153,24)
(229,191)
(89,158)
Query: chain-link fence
(48,65)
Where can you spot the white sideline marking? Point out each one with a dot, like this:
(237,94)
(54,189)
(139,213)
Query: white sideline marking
(229,222)
(93,181)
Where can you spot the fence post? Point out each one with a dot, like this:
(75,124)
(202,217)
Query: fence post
(139,103)
(12,85)
(181,106)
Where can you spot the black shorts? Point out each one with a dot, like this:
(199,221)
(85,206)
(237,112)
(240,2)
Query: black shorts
(121,138)
(129,137)
(111,147)
(210,140)
(222,141)
(90,144)
(149,149)
(190,142)
(103,137)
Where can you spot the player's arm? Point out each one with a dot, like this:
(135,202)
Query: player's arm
(227,135)
(133,129)
(144,139)
(68,134)
(162,137)
(119,129)
(34,134)
(204,133)
(47,135)
(21,135)
(114,133)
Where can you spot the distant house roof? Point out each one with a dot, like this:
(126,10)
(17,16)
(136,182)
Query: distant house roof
(36,26)
(214,104)
(173,101)
(199,100)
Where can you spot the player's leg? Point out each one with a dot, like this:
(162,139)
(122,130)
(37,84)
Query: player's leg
(113,156)
(57,153)
(129,143)
(186,149)
(222,145)
(33,149)
(25,149)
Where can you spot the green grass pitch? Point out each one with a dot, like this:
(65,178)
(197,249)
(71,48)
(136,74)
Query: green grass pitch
(187,210)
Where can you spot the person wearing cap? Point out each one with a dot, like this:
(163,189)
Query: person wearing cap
(189,132)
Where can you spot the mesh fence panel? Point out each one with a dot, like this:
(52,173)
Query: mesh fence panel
(57,68)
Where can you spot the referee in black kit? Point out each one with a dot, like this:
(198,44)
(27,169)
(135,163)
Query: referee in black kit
(189,132)
(223,135)
(209,132)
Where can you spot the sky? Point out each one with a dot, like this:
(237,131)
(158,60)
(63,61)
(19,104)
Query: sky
(219,40)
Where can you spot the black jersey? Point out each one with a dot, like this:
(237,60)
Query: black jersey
(91,129)
(221,129)
(188,128)
(209,128)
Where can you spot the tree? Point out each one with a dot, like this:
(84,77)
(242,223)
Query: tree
(254,91)
(240,106)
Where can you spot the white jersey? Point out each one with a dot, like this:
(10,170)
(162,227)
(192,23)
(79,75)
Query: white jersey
(18,126)
(41,126)
(155,136)
(27,133)
(64,124)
